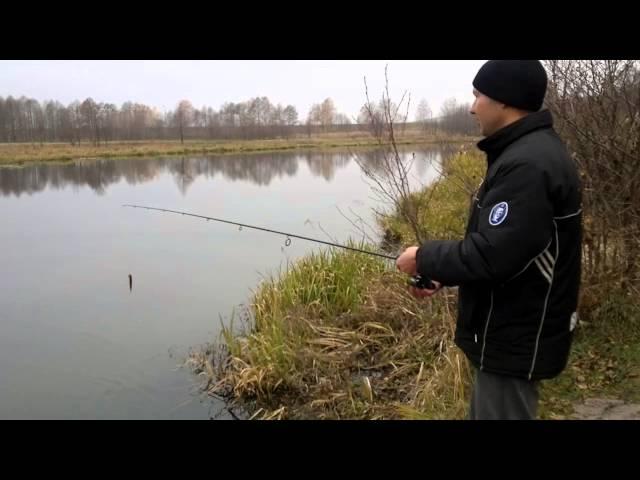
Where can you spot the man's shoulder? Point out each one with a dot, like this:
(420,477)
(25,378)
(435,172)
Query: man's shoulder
(542,150)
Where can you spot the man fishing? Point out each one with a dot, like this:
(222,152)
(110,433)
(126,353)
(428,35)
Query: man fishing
(518,265)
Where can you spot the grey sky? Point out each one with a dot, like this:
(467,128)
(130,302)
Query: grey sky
(163,83)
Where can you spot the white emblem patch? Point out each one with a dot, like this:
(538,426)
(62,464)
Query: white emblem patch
(498,213)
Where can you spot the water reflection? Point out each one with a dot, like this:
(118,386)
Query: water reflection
(258,169)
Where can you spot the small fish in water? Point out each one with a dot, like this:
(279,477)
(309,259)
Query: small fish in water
(130,282)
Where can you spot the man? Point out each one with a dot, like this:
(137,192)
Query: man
(518,266)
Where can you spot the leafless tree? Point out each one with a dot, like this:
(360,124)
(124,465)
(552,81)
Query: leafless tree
(184,116)
(390,179)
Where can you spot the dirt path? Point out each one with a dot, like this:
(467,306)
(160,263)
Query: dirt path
(606,409)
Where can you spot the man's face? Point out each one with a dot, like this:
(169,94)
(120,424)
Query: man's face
(488,113)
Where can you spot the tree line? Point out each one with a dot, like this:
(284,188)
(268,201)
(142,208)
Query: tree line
(30,121)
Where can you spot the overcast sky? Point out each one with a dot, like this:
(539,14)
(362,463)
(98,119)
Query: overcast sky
(163,83)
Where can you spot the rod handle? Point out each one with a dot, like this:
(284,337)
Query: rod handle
(420,282)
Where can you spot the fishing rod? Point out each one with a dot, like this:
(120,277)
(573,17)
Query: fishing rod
(415,281)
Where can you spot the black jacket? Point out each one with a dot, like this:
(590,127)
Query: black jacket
(518,266)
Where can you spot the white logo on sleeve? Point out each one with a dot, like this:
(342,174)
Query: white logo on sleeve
(498,213)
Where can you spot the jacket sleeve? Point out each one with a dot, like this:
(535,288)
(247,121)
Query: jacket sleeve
(515,224)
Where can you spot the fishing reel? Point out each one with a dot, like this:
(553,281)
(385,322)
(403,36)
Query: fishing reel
(422,283)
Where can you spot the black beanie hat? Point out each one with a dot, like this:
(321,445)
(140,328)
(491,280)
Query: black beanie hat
(518,83)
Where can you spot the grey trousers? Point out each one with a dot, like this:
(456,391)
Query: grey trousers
(498,397)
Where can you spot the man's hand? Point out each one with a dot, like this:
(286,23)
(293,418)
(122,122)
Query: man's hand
(406,262)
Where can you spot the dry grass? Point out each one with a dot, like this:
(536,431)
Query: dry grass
(347,342)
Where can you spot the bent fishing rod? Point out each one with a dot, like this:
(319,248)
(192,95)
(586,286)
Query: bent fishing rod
(415,281)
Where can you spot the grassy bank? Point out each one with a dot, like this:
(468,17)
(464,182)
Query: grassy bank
(18,154)
(338,336)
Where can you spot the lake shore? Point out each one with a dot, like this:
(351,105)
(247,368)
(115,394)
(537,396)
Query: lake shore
(18,154)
